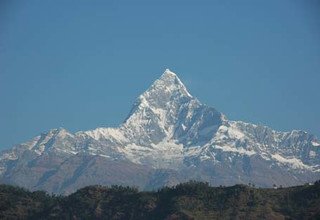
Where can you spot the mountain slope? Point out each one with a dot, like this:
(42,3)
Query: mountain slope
(168,137)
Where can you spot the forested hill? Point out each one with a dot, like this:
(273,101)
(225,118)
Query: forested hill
(192,200)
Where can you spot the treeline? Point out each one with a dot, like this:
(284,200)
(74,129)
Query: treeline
(191,200)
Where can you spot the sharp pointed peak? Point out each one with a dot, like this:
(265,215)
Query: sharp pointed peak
(167,88)
(169,80)
(169,73)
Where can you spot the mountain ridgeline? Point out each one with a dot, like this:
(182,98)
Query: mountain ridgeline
(169,137)
(191,200)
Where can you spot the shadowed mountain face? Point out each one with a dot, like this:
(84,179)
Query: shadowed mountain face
(169,137)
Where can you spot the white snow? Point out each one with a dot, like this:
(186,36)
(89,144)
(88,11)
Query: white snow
(293,162)
(9,156)
(312,154)
(235,150)
(105,133)
(161,155)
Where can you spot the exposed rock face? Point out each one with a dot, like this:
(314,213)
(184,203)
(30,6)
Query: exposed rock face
(168,137)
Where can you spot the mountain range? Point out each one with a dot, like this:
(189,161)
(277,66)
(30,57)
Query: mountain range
(169,137)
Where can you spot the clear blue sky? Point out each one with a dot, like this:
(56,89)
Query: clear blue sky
(80,64)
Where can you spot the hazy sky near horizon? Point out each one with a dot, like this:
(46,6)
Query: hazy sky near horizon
(81,64)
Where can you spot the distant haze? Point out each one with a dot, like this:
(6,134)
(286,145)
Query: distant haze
(81,64)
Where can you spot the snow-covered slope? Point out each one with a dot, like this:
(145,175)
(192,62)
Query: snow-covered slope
(168,129)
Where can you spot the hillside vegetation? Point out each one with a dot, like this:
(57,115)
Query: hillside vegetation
(192,200)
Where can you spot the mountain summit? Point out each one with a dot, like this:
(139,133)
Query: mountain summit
(167,111)
(168,137)
(164,92)
(169,83)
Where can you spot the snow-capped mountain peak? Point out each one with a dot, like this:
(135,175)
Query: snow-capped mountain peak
(158,106)
(166,110)
(165,92)
(170,82)
(166,89)
(167,128)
